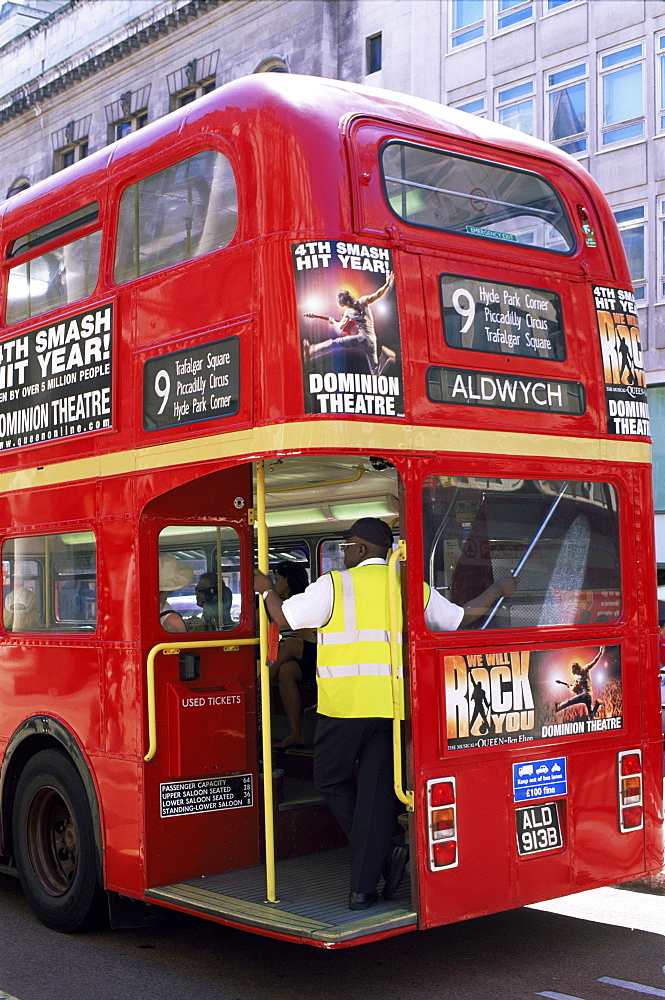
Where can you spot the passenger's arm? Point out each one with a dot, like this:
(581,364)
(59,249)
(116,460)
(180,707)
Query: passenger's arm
(263,585)
(484,603)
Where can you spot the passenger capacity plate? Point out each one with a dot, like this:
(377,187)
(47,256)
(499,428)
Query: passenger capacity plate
(538,828)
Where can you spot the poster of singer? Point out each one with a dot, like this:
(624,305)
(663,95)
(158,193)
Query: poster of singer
(349,328)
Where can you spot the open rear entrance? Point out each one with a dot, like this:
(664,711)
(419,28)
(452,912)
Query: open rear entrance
(310,501)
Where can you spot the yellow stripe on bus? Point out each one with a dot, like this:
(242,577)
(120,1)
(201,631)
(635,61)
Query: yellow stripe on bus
(317,434)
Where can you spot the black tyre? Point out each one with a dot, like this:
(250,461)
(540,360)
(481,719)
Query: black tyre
(54,845)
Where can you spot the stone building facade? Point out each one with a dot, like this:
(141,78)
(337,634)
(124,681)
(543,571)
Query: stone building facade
(588,75)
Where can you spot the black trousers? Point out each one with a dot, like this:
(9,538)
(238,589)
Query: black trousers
(365,808)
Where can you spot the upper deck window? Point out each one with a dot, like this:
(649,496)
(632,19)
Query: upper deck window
(176,214)
(62,275)
(439,190)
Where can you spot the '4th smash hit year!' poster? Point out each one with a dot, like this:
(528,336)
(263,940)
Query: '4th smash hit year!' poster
(349,328)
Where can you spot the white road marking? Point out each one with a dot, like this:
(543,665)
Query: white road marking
(558,996)
(651,991)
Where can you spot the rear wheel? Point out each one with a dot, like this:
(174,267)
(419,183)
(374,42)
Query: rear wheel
(54,844)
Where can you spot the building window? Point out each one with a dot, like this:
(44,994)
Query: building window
(128,113)
(567,108)
(515,107)
(468,21)
(374,46)
(555,4)
(661,248)
(622,74)
(632,227)
(196,78)
(512,12)
(656,397)
(20,184)
(274,64)
(71,143)
(661,82)
(476,106)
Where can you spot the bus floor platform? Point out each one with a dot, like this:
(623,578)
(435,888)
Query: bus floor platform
(312,893)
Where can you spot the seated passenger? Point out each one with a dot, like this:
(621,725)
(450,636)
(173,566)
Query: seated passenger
(207,598)
(174,574)
(296,657)
(21,614)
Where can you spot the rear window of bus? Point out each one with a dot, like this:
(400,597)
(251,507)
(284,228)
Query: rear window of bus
(560,539)
(440,190)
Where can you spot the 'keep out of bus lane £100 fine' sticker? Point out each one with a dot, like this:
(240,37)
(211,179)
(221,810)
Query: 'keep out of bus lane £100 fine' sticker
(539,779)
(537,825)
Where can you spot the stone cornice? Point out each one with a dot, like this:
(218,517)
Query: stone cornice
(161,20)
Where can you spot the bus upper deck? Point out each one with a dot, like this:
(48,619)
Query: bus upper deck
(504,254)
(225,338)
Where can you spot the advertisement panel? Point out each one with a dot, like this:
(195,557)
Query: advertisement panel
(349,328)
(623,366)
(496,697)
(56,380)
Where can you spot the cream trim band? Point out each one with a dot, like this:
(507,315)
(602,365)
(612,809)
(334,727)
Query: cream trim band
(318,434)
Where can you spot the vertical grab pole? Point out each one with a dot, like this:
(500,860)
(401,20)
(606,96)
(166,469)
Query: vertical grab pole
(398,554)
(262,530)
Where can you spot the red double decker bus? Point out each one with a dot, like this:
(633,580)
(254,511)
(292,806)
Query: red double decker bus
(225,338)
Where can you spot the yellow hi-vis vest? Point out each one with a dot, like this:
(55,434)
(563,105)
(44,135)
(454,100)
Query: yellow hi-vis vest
(353,656)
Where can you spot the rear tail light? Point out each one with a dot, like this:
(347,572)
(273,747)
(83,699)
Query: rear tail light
(442,823)
(631,803)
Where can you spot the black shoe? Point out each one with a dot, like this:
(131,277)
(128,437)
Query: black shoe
(361,900)
(393,870)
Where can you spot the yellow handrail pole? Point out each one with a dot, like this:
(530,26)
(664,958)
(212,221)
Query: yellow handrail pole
(175,647)
(397,555)
(263,558)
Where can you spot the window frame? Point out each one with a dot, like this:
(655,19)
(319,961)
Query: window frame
(660,74)
(517,99)
(83,627)
(481,112)
(518,14)
(492,163)
(42,249)
(552,88)
(156,167)
(371,54)
(605,72)
(658,439)
(469,33)
(442,470)
(660,295)
(626,225)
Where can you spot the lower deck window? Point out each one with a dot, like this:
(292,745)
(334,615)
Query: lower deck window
(49,583)
(560,538)
(199,578)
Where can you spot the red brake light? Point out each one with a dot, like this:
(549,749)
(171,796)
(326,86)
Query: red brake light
(632,817)
(445,854)
(442,794)
(631,764)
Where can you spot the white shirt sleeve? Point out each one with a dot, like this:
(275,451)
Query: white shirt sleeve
(441,615)
(313,607)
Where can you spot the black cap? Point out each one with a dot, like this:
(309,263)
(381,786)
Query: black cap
(373,530)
